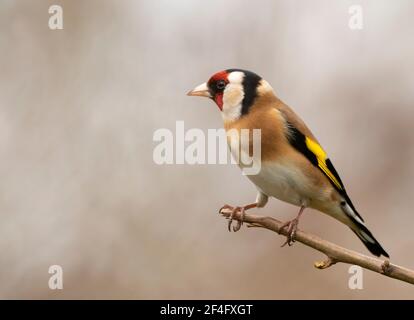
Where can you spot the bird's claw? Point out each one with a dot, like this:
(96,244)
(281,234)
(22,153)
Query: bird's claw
(234,210)
(292,226)
(226,206)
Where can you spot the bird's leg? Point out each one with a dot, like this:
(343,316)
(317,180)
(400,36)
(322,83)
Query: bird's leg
(292,226)
(234,210)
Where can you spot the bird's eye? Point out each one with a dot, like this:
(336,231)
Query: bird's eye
(221,84)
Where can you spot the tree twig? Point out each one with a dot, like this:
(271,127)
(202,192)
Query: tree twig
(335,253)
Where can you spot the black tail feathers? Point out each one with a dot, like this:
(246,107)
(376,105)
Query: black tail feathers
(369,241)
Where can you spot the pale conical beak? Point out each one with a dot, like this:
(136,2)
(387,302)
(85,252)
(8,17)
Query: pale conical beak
(200,91)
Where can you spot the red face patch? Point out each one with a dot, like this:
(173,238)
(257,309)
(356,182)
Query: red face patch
(219,100)
(216,85)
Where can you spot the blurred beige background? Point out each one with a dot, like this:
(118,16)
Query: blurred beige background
(78,108)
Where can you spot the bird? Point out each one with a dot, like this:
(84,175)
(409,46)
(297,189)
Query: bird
(294,167)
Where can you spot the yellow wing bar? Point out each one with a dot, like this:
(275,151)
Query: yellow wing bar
(321,155)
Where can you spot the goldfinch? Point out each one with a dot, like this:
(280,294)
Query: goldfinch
(294,167)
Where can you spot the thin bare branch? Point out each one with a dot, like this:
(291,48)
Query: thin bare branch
(334,253)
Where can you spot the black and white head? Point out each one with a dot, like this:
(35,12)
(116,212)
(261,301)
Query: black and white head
(233,90)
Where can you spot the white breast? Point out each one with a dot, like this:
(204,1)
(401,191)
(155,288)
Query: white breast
(284,182)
